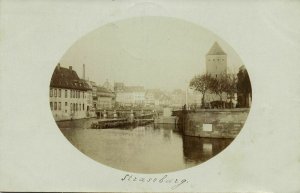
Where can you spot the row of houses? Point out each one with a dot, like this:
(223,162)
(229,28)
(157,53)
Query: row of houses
(72,97)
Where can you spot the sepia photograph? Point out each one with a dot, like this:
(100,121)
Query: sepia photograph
(150,95)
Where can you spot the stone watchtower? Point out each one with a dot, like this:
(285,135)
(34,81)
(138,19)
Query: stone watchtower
(216,61)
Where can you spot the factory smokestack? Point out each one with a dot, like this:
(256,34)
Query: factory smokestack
(83,72)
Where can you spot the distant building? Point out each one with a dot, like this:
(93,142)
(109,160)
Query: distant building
(216,61)
(91,98)
(108,86)
(105,98)
(119,86)
(129,95)
(68,94)
(94,93)
(156,97)
(150,99)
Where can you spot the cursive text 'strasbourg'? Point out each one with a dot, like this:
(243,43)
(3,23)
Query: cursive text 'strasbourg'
(173,182)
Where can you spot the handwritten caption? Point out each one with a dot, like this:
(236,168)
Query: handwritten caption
(165,179)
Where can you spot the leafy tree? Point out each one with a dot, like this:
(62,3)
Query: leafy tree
(201,83)
(231,86)
(219,85)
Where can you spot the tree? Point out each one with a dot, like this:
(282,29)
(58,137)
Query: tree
(231,86)
(201,83)
(219,85)
(243,88)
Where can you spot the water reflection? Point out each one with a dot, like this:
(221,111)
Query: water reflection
(143,149)
(197,150)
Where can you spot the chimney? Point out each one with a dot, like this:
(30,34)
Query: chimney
(83,72)
(70,67)
(58,66)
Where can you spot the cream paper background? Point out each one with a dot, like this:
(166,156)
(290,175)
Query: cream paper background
(35,156)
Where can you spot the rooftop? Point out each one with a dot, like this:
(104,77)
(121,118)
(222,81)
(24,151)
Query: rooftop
(216,50)
(102,91)
(67,78)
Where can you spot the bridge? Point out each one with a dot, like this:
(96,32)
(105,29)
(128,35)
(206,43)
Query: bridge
(123,118)
(127,113)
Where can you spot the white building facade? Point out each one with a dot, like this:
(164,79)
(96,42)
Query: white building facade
(131,96)
(68,95)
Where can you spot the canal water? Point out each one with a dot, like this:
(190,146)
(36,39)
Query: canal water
(143,149)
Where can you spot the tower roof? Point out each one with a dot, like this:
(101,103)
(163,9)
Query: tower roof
(216,50)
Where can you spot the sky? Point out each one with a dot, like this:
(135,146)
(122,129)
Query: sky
(154,52)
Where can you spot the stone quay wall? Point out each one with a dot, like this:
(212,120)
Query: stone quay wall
(212,123)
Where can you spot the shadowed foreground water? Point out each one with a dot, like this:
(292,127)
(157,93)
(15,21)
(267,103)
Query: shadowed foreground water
(143,149)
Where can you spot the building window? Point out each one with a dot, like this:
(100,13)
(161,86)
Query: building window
(51,92)
(55,92)
(76,107)
(59,92)
(66,93)
(80,107)
(55,105)
(66,104)
(59,106)
(51,105)
(71,107)
(83,107)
